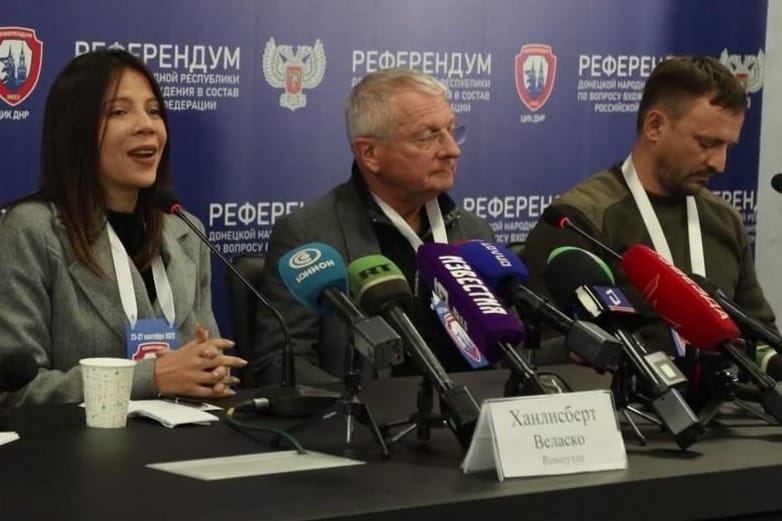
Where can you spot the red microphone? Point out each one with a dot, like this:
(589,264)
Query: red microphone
(678,299)
(696,316)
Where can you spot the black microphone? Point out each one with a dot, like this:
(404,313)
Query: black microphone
(776,182)
(17,370)
(594,295)
(380,288)
(303,400)
(556,216)
(750,327)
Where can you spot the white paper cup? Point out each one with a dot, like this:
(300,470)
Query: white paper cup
(107,383)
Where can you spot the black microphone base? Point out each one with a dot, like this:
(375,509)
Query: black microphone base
(678,418)
(463,413)
(596,347)
(297,401)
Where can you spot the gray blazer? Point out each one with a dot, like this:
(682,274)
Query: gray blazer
(342,220)
(57,309)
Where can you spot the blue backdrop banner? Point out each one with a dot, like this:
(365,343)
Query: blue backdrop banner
(547,89)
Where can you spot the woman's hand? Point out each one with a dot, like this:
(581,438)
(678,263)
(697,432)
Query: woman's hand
(198,368)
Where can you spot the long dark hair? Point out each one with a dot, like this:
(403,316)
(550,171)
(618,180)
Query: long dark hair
(70,153)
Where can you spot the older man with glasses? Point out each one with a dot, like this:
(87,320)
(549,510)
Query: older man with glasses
(405,143)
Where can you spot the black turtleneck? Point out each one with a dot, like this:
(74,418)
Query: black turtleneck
(131,232)
(395,246)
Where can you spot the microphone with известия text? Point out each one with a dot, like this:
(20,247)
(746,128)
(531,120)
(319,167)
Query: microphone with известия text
(495,332)
(506,275)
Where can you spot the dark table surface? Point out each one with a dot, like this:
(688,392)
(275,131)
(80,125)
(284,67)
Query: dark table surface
(61,469)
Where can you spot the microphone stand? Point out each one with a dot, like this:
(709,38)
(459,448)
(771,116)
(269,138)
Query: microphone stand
(532,337)
(348,404)
(310,399)
(623,390)
(422,421)
(515,385)
(717,385)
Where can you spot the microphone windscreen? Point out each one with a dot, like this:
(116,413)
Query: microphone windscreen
(569,268)
(678,299)
(165,201)
(493,262)
(776,182)
(554,216)
(375,281)
(17,370)
(309,269)
(451,278)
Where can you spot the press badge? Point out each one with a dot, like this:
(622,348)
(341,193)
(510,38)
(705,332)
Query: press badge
(148,337)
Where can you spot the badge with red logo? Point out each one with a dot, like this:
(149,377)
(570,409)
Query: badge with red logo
(148,350)
(536,70)
(21,53)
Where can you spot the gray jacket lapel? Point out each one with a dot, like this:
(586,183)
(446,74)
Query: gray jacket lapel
(357,232)
(180,268)
(100,291)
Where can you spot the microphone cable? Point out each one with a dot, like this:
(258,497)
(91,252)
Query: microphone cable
(245,428)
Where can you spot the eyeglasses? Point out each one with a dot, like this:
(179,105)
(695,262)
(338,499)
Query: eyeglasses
(457,134)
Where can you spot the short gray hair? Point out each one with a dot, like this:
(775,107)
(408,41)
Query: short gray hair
(368,110)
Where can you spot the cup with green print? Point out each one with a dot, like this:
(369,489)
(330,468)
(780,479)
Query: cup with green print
(107,384)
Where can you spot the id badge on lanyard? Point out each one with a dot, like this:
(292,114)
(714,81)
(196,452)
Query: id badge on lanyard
(144,337)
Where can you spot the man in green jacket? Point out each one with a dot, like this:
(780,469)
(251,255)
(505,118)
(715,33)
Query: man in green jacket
(691,113)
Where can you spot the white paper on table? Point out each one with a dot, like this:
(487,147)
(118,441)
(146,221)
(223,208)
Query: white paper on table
(8,437)
(253,464)
(170,414)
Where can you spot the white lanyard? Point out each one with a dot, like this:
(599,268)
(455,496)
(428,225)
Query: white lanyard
(454,330)
(125,282)
(697,263)
(432,212)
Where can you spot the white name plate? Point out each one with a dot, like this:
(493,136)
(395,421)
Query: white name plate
(547,434)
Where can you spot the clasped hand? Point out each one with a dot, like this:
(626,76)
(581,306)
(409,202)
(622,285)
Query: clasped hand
(198,368)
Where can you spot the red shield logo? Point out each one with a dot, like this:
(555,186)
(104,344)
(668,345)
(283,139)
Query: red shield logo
(293,78)
(21,53)
(148,350)
(536,70)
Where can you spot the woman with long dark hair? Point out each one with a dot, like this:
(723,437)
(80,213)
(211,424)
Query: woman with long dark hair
(88,265)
